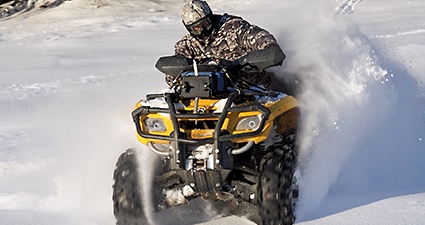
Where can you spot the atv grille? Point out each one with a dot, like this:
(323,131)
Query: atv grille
(197,124)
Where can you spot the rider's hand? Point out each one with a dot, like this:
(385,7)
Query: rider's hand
(230,66)
(223,63)
(234,67)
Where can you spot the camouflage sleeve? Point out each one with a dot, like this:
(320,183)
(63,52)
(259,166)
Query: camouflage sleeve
(182,47)
(252,37)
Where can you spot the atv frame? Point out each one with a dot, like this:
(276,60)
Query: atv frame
(219,138)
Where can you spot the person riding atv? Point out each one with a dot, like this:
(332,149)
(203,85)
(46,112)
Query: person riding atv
(219,133)
(224,38)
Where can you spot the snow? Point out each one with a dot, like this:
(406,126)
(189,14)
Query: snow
(71,75)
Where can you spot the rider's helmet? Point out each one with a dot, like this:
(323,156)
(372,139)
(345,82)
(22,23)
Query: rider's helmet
(197,18)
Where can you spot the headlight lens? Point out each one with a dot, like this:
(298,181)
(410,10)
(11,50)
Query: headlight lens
(248,123)
(154,125)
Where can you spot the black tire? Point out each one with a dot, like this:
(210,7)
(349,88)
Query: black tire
(274,189)
(127,197)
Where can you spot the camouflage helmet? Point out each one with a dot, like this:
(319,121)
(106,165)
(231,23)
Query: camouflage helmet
(194,11)
(196,17)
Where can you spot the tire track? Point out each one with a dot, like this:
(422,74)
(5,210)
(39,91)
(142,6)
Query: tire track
(33,90)
(347,7)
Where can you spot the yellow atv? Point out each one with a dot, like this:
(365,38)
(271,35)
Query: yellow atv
(219,138)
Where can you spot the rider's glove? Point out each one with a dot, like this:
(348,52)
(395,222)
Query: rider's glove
(231,66)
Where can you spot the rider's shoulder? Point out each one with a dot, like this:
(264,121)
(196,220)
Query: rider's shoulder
(226,18)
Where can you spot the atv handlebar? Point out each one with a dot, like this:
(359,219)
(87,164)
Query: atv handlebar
(270,56)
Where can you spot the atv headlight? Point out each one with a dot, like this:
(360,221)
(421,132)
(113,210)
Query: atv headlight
(248,123)
(154,125)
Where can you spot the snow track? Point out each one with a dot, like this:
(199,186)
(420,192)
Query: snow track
(347,7)
(28,91)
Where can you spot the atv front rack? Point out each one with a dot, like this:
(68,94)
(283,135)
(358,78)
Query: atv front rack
(220,139)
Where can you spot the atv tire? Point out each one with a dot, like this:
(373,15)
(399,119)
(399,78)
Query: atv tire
(127,197)
(274,189)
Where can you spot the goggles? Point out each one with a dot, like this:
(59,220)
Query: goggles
(199,27)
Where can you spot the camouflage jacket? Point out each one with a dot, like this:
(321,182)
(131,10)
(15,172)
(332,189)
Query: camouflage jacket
(233,38)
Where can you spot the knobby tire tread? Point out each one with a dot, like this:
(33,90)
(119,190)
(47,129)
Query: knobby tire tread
(275,186)
(128,205)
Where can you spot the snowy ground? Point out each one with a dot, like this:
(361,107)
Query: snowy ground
(70,76)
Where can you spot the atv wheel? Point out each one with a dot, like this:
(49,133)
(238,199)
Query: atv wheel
(128,205)
(275,186)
